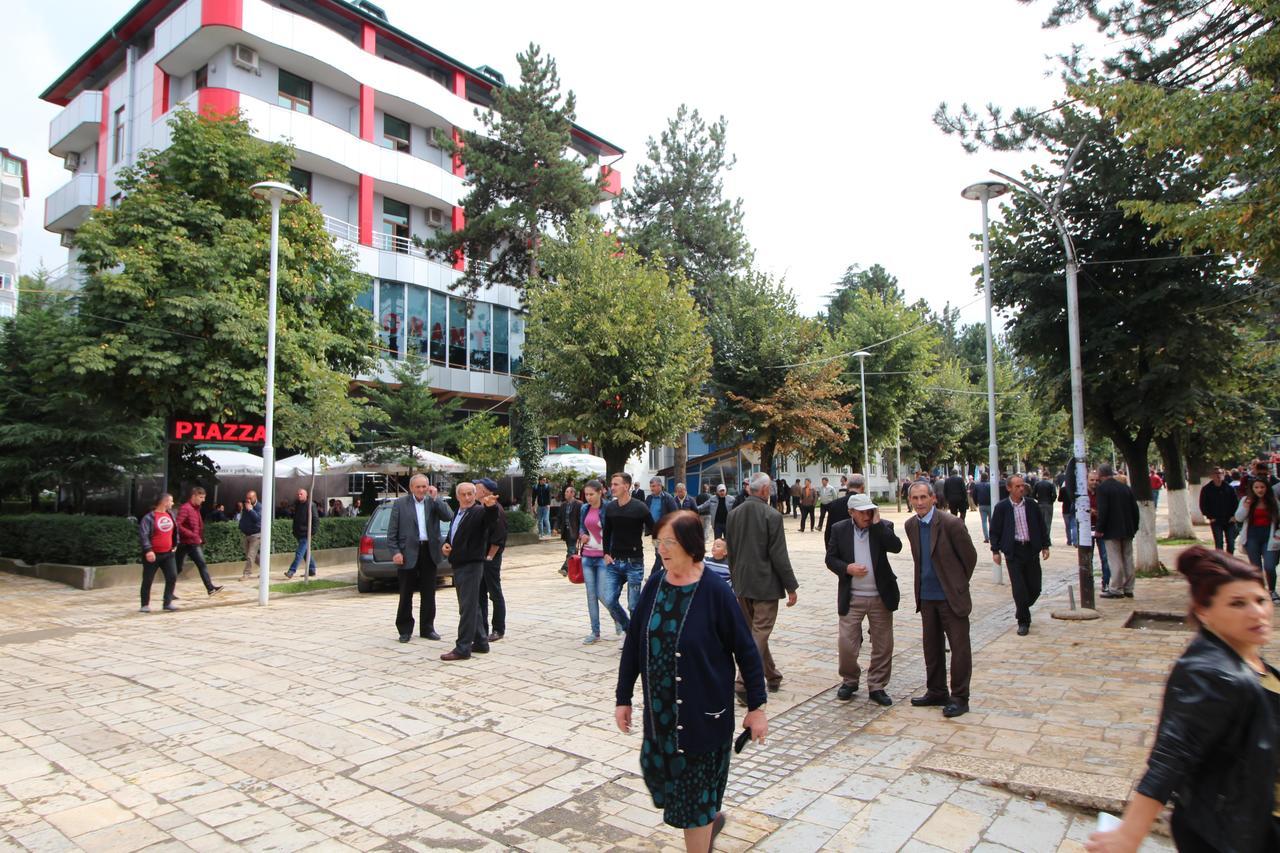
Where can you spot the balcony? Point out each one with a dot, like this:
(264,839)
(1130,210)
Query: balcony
(71,204)
(76,127)
(8,241)
(69,276)
(10,212)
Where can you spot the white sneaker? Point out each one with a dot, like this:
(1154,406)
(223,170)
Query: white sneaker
(144,609)
(590,639)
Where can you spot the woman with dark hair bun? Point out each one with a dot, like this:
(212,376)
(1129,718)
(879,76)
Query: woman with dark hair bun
(1259,516)
(1216,750)
(693,634)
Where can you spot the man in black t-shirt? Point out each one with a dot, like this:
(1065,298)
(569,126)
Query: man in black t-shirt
(624,525)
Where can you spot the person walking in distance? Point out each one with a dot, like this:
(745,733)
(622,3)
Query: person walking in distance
(1117,524)
(626,522)
(250,524)
(982,498)
(159,536)
(858,553)
(944,559)
(491,584)
(660,503)
(827,495)
(466,547)
(570,525)
(955,493)
(306,519)
(1018,533)
(413,532)
(760,569)
(1259,515)
(595,574)
(716,510)
(1218,503)
(683,499)
(1046,495)
(808,498)
(191,528)
(542,501)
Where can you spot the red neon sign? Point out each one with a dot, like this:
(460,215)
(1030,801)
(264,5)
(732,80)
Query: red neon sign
(191,429)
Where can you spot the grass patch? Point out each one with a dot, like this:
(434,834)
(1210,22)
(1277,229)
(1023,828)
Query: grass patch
(1160,571)
(1177,541)
(292,587)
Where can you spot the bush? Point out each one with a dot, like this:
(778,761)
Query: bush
(92,540)
(519,521)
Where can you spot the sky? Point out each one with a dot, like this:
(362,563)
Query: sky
(828,105)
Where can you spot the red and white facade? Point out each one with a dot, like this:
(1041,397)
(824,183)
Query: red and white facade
(360,101)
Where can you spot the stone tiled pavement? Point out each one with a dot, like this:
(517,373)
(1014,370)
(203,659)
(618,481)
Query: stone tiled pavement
(307,726)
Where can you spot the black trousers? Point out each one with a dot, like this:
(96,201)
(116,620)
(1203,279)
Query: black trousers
(960,508)
(805,512)
(467,580)
(1224,534)
(421,579)
(196,553)
(942,627)
(163,562)
(491,589)
(1023,564)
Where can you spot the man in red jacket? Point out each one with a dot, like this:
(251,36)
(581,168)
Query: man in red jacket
(191,530)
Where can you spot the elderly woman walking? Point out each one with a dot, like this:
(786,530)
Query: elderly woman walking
(693,634)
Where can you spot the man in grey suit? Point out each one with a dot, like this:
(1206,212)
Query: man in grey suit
(414,535)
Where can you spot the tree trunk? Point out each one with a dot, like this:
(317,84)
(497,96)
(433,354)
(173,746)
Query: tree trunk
(615,458)
(1197,470)
(1176,487)
(767,452)
(681,462)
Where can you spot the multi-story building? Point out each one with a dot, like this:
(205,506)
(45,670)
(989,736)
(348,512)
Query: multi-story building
(361,102)
(14,191)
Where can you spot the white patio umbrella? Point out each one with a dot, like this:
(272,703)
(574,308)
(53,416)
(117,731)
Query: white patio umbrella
(575,462)
(235,462)
(299,465)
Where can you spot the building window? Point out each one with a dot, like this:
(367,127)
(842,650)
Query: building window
(117,136)
(395,133)
(390,317)
(12,167)
(439,323)
(364,300)
(517,342)
(300,180)
(295,93)
(501,347)
(418,304)
(457,333)
(481,336)
(202,76)
(115,201)
(395,224)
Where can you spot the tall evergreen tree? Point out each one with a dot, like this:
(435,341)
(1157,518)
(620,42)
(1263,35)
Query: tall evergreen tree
(524,185)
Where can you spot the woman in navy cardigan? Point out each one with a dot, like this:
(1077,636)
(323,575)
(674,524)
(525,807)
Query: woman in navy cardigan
(693,633)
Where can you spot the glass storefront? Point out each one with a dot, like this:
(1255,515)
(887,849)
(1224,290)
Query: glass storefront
(390,318)
(435,326)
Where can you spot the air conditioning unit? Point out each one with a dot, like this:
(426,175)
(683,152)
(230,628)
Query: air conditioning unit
(243,56)
(71,161)
(67,240)
(435,217)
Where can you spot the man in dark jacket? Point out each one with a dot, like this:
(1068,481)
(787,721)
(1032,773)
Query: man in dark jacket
(303,511)
(858,553)
(191,526)
(1118,523)
(1046,495)
(491,583)
(1218,503)
(956,494)
(1018,533)
(759,569)
(413,532)
(659,502)
(250,524)
(466,547)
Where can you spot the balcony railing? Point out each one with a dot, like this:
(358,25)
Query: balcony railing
(69,276)
(382,241)
(342,230)
(76,127)
(399,245)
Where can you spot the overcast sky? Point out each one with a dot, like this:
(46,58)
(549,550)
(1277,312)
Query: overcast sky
(828,105)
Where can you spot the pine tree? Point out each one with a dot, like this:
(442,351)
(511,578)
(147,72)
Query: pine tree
(524,183)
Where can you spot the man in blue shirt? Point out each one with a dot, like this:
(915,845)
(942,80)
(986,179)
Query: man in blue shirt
(944,561)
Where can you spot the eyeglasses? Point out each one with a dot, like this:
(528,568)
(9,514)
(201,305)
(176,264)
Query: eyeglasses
(668,542)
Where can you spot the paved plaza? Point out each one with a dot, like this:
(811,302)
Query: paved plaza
(306,725)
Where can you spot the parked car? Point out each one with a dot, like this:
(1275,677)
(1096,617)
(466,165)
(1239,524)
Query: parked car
(373,559)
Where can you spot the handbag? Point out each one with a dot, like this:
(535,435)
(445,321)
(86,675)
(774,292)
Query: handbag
(574,564)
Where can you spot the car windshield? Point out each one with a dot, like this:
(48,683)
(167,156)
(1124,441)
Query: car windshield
(379,520)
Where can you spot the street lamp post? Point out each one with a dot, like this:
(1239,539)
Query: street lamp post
(984,191)
(1084,536)
(861,355)
(277,194)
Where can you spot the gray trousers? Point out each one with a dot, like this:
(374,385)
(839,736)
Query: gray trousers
(1120,560)
(251,555)
(880,630)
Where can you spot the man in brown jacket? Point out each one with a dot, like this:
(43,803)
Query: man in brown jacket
(760,569)
(944,559)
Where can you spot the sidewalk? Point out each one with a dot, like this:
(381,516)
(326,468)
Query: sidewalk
(305,725)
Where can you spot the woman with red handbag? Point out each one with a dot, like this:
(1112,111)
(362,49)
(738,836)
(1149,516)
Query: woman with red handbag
(591,543)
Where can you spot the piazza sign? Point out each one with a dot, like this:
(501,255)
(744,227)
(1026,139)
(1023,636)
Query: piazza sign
(181,430)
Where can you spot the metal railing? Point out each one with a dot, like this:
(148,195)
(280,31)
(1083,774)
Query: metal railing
(342,230)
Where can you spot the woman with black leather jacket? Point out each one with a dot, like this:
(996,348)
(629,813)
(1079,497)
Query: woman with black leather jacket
(1216,750)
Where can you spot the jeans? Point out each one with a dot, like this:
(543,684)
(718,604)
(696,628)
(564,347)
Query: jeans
(630,572)
(984,515)
(1106,566)
(1073,528)
(301,554)
(544,520)
(596,576)
(1255,544)
(1224,535)
(196,553)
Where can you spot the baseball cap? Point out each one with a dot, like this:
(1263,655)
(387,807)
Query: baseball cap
(861,502)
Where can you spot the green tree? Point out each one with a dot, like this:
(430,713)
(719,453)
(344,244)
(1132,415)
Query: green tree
(484,446)
(523,184)
(528,436)
(934,431)
(173,314)
(410,416)
(56,431)
(616,346)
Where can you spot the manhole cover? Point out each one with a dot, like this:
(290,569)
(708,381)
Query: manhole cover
(1146,621)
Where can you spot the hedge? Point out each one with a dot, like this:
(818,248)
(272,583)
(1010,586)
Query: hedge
(519,521)
(91,540)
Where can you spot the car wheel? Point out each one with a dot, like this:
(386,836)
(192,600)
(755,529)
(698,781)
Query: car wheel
(363,584)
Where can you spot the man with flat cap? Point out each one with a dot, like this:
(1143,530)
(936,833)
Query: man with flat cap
(466,547)
(858,550)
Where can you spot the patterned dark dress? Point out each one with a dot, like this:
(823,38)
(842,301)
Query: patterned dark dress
(687,787)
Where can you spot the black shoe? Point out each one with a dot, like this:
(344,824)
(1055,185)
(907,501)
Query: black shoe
(495,637)
(176,598)
(774,688)
(926,701)
(845,693)
(430,635)
(880,698)
(215,590)
(480,650)
(1128,595)
(404,638)
(1023,629)
(955,709)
